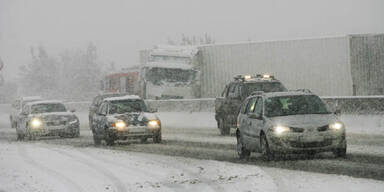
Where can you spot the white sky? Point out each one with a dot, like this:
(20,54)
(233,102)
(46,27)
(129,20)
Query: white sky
(120,28)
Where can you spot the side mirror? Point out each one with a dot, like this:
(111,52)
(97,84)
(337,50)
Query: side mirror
(72,110)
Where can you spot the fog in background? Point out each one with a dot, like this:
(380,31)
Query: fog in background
(120,28)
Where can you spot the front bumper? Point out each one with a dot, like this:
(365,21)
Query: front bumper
(133,132)
(59,130)
(301,143)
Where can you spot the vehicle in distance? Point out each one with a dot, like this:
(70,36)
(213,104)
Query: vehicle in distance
(96,102)
(18,105)
(288,122)
(47,118)
(122,118)
(228,105)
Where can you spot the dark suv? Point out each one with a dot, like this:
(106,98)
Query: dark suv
(228,105)
(96,102)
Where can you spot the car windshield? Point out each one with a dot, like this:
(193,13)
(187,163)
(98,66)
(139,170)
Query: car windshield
(294,105)
(263,86)
(160,76)
(48,108)
(127,106)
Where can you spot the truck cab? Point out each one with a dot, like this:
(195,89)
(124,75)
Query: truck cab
(228,105)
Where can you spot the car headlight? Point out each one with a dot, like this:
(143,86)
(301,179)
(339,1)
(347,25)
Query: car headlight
(279,129)
(120,125)
(36,123)
(154,123)
(336,126)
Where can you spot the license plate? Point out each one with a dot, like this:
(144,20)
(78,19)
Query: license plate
(137,130)
(311,138)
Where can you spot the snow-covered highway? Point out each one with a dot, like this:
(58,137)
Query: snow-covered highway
(193,157)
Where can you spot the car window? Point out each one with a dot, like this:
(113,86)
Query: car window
(251,105)
(244,107)
(103,109)
(233,91)
(259,107)
(48,108)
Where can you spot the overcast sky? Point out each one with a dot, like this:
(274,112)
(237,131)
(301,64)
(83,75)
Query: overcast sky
(119,28)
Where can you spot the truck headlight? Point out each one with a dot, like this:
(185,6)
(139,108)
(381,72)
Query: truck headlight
(154,123)
(279,129)
(336,126)
(120,125)
(36,123)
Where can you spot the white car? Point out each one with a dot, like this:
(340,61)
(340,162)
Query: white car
(288,122)
(47,118)
(18,105)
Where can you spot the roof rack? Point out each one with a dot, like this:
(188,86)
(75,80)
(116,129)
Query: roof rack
(303,90)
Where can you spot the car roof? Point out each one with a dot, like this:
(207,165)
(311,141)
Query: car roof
(45,102)
(127,97)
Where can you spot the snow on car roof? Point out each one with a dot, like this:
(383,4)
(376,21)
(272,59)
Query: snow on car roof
(287,93)
(45,102)
(29,98)
(169,65)
(127,97)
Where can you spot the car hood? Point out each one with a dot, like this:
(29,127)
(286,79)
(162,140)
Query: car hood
(305,121)
(63,116)
(133,118)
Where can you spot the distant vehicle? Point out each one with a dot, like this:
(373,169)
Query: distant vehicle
(288,122)
(127,81)
(18,105)
(97,101)
(47,118)
(228,105)
(127,117)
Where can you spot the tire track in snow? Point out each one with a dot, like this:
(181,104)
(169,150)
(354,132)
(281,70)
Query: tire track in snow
(68,182)
(117,183)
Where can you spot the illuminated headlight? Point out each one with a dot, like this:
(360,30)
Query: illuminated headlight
(336,126)
(120,125)
(266,76)
(36,123)
(154,123)
(247,77)
(280,129)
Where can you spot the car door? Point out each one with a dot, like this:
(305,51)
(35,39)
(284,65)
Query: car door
(256,123)
(98,118)
(233,103)
(246,122)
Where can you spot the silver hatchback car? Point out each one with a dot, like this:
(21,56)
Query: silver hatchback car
(288,122)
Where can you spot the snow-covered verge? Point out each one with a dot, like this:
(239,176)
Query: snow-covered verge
(43,167)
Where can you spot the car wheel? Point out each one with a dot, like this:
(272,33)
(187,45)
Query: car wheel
(20,136)
(224,128)
(242,152)
(266,154)
(96,140)
(340,152)
(157,138)
(109,139)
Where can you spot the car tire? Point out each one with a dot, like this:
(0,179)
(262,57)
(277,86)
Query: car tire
(157,138)
(266,153)
(96,140)
(242,152)
(20,136)
(340,152)
(224,128)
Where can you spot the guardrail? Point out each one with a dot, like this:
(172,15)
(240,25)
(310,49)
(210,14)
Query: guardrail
(347,105)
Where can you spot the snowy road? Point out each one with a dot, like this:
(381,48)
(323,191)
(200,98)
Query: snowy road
(76,165)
